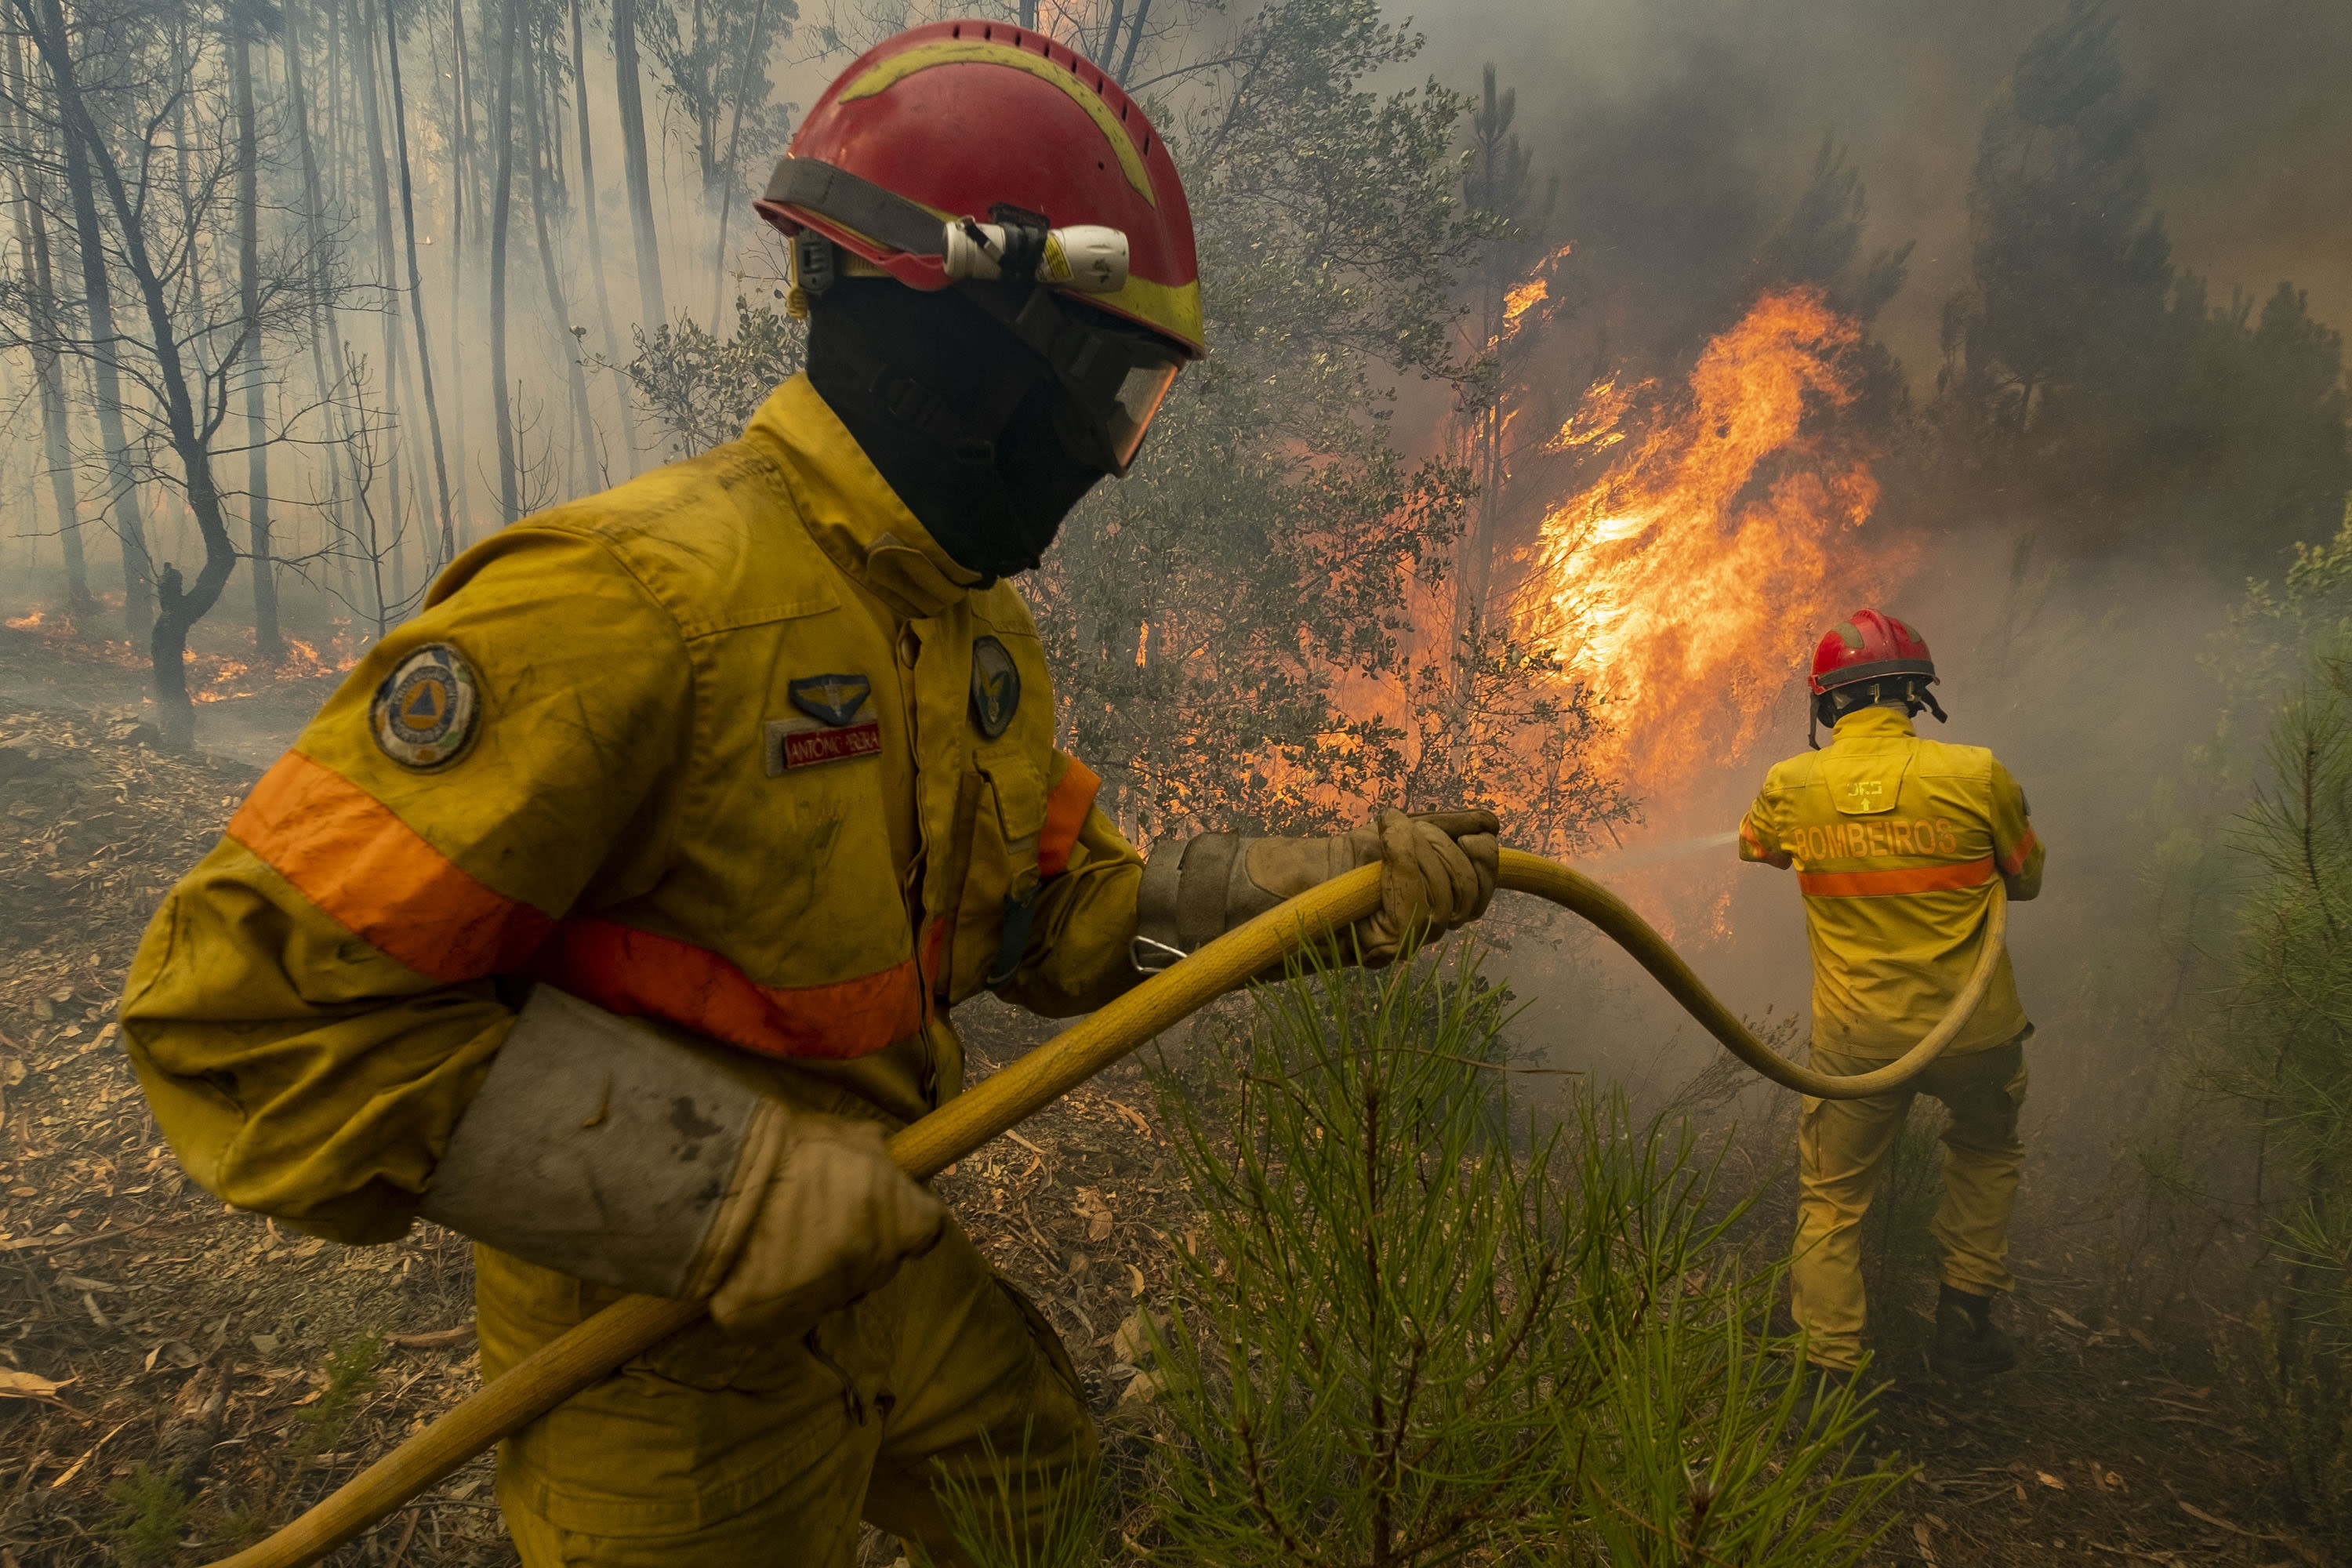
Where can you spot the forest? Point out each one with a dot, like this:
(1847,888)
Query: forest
(1554,407)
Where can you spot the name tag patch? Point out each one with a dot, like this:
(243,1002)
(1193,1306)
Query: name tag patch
(796,745)
(840,724)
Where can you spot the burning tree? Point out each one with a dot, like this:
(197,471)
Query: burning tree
(1223,621)
(130,99)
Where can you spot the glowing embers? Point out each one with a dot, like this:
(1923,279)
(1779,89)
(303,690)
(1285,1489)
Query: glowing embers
(1688,581)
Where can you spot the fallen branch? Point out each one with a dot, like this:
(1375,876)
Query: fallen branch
(438,1338)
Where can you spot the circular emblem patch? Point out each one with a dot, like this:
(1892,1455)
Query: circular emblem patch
(995,686)
(424,712)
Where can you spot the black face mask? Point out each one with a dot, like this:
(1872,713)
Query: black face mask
(961,419)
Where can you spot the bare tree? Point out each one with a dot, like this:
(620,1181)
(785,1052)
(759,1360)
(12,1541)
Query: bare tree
(115,79)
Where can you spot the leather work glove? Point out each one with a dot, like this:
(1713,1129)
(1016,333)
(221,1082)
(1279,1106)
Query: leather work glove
(827,1220)
(640,1157)
(1438,874)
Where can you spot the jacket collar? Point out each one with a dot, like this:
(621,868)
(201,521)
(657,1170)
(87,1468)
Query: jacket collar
(850,509)
(1875,723)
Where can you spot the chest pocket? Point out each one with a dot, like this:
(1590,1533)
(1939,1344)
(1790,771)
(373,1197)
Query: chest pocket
(1867,784)
(1006,791)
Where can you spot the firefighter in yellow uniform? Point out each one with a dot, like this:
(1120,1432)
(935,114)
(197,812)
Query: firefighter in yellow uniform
(1898,844)
(613,910)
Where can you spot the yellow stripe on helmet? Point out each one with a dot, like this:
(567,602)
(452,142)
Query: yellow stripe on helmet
(956,51)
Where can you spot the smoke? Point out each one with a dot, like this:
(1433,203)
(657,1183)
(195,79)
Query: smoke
(1714,110)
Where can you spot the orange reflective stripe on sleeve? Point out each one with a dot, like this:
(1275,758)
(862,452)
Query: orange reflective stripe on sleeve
(1903,880)
(379,879)
(1066,812)
(2014,861)
(642,974)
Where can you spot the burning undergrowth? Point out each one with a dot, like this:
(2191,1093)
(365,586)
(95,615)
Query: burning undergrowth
(223,661)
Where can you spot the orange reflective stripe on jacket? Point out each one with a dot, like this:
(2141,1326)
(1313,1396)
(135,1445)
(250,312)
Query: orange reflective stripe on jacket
(641,973)
(2013,861)
(1065,813)
(1901,880)
(1897,843)
(347,853)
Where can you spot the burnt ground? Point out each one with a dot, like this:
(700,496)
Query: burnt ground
(142,1325)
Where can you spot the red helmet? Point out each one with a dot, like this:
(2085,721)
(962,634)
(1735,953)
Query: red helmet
(950,124)
(1869,646)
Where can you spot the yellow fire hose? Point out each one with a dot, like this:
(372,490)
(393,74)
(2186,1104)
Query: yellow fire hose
(597,1347)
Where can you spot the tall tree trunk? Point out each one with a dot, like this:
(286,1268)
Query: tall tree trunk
(399,394)
(266,644)
(463,166)
(584,429)
(596,242)
(416,286)
(121,510)
(326,333)
(501,210)
(751,61)
(652,313)
(56,436)
(1134,37)
(56,433)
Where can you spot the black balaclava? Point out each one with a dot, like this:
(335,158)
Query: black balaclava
(922,380)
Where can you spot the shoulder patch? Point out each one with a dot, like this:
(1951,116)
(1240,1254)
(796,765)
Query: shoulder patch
(427,710)
(995,686)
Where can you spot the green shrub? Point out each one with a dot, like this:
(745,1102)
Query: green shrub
(150,1514)
(2281,1063)
(1398,1342)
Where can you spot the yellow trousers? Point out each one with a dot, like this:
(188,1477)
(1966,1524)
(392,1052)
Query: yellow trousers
(714,1451)
(1842,1147)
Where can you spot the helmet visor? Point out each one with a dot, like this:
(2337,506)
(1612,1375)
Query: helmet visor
(1135,404)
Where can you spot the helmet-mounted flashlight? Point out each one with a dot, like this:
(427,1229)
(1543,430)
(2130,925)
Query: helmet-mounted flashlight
(1085,258)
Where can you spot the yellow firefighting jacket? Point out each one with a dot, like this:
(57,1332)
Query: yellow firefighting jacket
(1895,842)
(733,746)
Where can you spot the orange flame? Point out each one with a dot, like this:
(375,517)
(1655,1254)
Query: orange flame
(214,673)
(1685,594)
(1531,291)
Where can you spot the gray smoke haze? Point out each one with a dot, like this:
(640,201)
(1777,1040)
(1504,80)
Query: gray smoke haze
(2250,146)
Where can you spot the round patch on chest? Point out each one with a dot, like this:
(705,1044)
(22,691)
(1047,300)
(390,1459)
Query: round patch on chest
(425,712)
(995,686)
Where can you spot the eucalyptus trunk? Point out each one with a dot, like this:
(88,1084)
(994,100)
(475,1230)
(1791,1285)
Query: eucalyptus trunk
(120,509)
(48,374)
(399,395)
(501,212)
(596,241)
(417,286)
(267,643)
(636,165)
(751,61)
(326,331)
(464,165)
(583,431)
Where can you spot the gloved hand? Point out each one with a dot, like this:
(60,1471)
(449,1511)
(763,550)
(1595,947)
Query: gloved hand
(816,1217)
(1437,874)
(618,1151)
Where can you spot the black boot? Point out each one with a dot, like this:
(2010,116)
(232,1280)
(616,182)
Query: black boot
(1967,1344)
